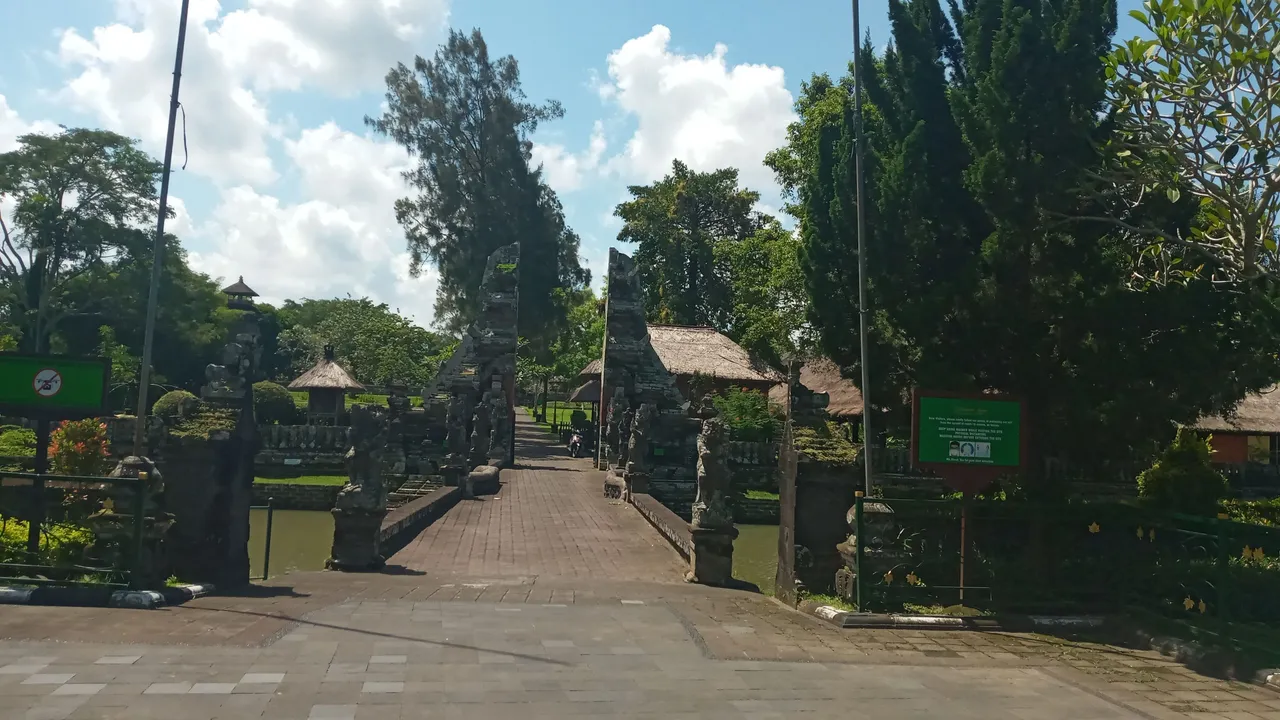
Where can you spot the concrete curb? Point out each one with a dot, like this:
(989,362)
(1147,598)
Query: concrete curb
(81,596)
(848,620)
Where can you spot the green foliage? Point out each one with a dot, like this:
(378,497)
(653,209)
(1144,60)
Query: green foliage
(370,340)
(471,201)
(983,135)
(746,413)
(59,544)
(79,198)
(273,404)
(1254,512)
(678,222)
(17,441)
(824,441)
(327,480)
(175,403)
(203,421)
(1183,479)
(582,338)
(79,447)
(1194,98)
(767,294)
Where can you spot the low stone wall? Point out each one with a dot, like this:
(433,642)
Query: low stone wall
(673,527)
(402,524)
(288,496)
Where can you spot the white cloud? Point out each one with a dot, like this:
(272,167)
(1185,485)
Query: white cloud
(696,109)
(339,45)
(12,126)
(565,171)
(343,239)
(232,62)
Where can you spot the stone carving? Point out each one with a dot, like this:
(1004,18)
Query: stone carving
(481,428)
(362,502)
(638,443)
(229,380)
(363,490)
(397,407)
(500,421)
(711,507)
(455,442)
(112,526)
(618,408)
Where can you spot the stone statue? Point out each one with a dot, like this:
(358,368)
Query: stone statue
(638,443)
(481,427)
(624,437)
(363,490)
(456,423)
(362,502)
(618,407)
(500,421)
(710,508)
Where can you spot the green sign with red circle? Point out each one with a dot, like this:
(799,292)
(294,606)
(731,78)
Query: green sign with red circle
(53,387)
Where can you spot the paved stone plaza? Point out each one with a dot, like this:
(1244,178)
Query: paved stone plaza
(549,601)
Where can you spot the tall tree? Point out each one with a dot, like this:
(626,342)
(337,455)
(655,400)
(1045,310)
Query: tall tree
(373,342)
(465,118)
(677,223)
(78,198)
(984,133)
(1199,99)
(768,302)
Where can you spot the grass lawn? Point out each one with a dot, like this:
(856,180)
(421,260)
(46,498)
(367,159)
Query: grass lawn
(304,480)
(761,495)
(561,413)
(300,399)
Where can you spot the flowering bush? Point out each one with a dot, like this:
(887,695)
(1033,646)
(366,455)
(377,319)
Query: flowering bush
(79,447)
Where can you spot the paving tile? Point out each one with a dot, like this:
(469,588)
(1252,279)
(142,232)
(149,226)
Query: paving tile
(48,678)
(261,677)
(332,712)
(382,687)
(79,689)
(212,688)
(388,660)
(118,659)
(167,688)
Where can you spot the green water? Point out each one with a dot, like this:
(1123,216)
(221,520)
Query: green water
(755,555)
(300,540)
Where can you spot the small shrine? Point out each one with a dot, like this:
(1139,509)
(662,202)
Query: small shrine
(326,384)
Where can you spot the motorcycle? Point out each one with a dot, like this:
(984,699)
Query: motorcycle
(575,444)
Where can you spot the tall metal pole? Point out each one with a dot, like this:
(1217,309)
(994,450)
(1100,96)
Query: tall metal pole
(157,252)
(863,310)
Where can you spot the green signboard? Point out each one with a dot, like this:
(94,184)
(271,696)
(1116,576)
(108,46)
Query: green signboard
(967,431)
(53,386)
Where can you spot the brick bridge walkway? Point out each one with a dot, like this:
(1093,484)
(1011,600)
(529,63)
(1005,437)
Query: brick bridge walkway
(549,519)
(548,601)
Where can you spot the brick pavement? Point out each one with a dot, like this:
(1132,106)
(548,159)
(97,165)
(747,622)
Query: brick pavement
(550,518)
(544,637)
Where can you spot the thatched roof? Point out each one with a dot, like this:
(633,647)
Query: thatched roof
(823,376)
(1257,413)
(589,391)
(239,288)
(326,375)
(687,350)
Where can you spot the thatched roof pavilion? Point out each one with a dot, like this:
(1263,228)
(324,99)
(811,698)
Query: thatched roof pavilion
(1250,433)
(326,383)
(686,351)
(821,375)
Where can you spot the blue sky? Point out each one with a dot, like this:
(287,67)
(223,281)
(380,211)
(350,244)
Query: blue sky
(284,185)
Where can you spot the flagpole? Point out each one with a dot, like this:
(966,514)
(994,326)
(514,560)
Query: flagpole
(863,310)
(157,252)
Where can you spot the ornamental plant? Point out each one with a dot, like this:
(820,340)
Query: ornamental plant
(79,447)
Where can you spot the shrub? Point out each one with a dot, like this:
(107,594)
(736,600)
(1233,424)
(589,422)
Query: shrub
(175,403)
(79,447)
(746,413)
(59,544)
(273,403)
(17,441)
(1183,479)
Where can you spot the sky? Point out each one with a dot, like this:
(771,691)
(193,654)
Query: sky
(276,177)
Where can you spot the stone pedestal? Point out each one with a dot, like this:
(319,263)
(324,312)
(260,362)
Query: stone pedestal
(711,562)
(636,482)
(355,541)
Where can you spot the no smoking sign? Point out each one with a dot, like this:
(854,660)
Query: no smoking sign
(47,382)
